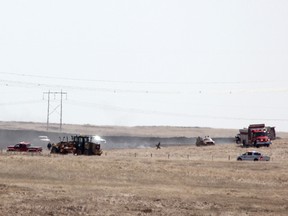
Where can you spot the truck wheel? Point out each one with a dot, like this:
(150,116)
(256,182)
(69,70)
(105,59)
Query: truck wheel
(255,159)
(239,159)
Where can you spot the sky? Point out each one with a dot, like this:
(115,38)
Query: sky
(208,63)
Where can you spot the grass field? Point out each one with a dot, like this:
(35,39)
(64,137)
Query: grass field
(183,180)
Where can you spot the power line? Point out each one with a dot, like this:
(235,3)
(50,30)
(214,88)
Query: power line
(143,82)
(98,89)
(20,102)
(117,90)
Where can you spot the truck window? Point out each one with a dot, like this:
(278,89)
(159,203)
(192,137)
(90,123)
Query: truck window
(260,134)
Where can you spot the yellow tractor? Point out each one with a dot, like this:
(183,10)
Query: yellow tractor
(79,145)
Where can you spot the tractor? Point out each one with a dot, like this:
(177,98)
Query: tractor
(79,145)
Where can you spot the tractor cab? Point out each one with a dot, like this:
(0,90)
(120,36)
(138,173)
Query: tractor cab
(85,146)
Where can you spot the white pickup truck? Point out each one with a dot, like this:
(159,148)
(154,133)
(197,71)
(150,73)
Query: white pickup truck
(253,156)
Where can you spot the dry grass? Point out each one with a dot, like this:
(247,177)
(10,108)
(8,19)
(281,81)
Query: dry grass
(174,181)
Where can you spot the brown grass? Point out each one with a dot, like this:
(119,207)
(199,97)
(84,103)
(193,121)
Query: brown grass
(186,180)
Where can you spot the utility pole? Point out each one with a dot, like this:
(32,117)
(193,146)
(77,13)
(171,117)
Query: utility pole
(61,105)
(48,110)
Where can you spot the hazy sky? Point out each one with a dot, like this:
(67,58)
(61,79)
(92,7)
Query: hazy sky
(218,63)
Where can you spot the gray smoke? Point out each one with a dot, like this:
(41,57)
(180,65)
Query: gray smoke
(11,137)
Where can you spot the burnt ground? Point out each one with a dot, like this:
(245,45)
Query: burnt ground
(10,137)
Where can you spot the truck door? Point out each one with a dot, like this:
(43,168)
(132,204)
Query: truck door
(244,156)
(17,147)
(249,156)
(22,147)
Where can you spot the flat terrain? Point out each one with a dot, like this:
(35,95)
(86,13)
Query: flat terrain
(142,131)
(182,180)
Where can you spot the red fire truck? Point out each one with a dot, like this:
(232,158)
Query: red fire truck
(256,135)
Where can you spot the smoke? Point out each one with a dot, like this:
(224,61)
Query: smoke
(98,139)
(38,138)
(44,138)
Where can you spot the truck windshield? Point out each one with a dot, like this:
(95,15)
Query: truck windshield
(257,134)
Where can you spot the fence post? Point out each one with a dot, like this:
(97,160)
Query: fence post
(168,156)
(151,155)
(135,154)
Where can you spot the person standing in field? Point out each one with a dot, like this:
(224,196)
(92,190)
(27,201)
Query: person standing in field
(49,146)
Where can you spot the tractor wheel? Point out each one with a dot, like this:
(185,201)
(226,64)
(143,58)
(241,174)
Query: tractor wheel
(54,150)
(78,152)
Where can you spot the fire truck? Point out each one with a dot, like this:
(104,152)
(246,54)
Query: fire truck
(256,135)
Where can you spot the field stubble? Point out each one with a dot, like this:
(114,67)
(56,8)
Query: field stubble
(183,180)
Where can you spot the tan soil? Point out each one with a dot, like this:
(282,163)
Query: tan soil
(186,180)
(183,180)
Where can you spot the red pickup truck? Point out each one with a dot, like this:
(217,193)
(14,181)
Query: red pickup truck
(24,147)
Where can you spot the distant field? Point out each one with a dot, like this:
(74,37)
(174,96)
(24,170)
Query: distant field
(116,136)
(141,131)
(185,180)
(175,180)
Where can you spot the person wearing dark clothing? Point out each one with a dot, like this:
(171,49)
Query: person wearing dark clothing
(49,146)
(158,146)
